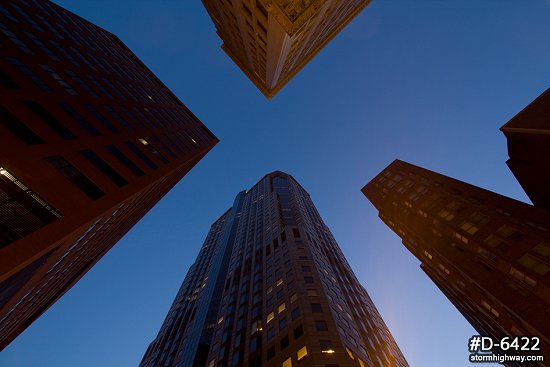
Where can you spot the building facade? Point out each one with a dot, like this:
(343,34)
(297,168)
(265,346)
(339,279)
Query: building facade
(272,40)
(528,135)
(489,254)
(271,287)
(90,140)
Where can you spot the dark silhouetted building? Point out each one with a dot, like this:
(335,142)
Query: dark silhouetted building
(271,287)
(272,40)
(528,135)
(489,254)
(90,140)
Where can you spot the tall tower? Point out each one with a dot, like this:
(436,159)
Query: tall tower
(489,254)
(271,287)
(90,140)
(528,135)
(272,40)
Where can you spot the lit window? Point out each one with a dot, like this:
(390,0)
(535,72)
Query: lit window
(350,354)
(302,353)
(446,215)
(536,265)
(270,317)
(220,320)
(256,326)
(279,282)
(469,227)
(461,237)
(287,363)
(281,307)
(428,255)
(522,277)
(543,249)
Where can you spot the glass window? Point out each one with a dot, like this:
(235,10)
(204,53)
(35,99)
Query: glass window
(271,353)
(534,264)
(542,249)
(321,325)
(302,353)
(75,177)
(152,149)
(287,363)
(125,160)
(298,331)
(79,119)
(312,292)
(104,167)
(49,119)
(55,76)
(141,155)
(22,210)
(29,74)
(17,128)
(316,307)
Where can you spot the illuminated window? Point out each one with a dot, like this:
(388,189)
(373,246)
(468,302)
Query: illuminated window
(256,326)
(509,232)
(23,211)
(302,353)
(448,216)
(287,363)
(536,265)
(270,317)
(281,307)
(489,308)
(542,249)
(469,227)
(293,298)
(522,277)
(279,282)
(350,354)
(461,237)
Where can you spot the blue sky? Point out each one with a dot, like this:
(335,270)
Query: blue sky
(426,81)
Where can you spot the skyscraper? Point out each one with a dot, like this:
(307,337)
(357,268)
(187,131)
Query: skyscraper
(272,40)
(528,135)
(489,254)
(90,140)
(271,287)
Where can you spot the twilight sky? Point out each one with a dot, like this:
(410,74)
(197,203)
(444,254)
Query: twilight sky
(426,81)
